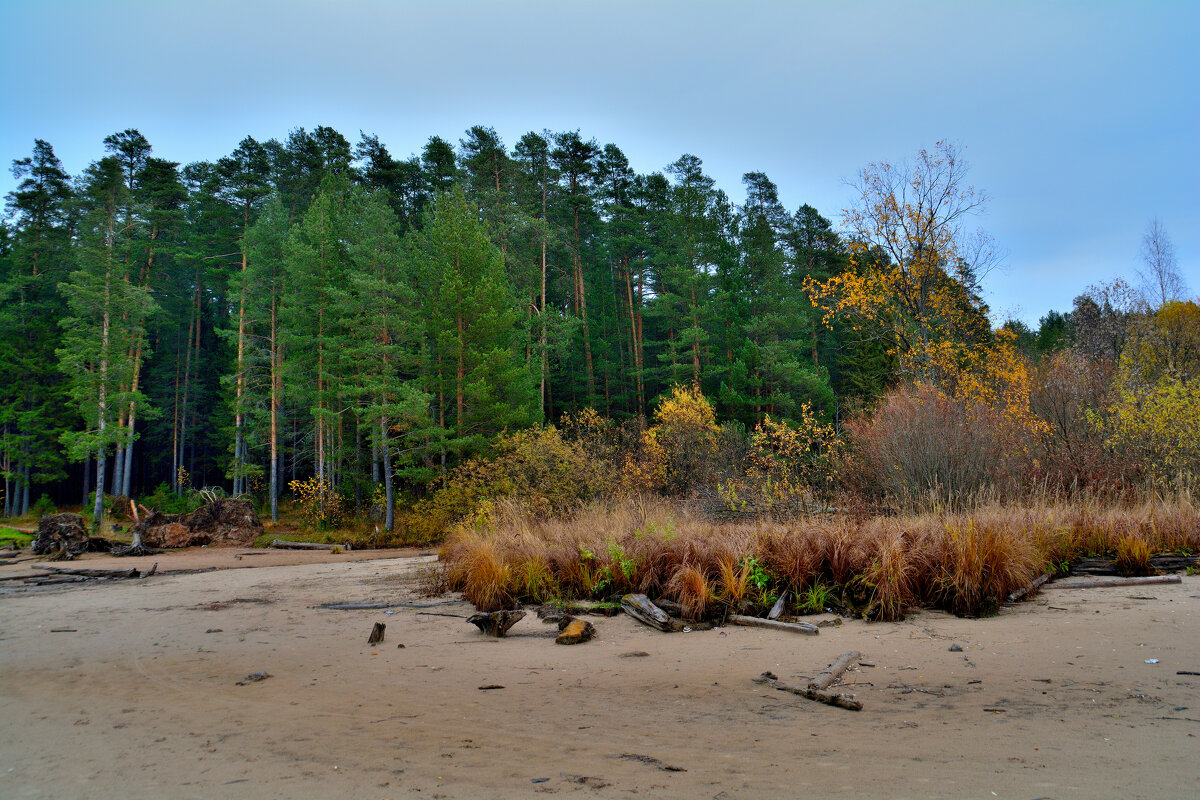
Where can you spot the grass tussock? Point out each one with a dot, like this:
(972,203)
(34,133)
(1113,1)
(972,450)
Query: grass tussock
(964,562)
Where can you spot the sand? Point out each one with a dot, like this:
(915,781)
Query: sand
(141,697)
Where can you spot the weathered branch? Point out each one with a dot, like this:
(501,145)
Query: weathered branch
(829,698)
(806,628)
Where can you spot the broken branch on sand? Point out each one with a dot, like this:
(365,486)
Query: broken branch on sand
(828,698)
(1118,582)
(806,628)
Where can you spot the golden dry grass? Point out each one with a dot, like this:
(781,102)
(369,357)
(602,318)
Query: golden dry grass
(965,562)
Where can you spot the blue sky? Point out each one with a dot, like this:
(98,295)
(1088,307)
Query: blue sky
(1081,119)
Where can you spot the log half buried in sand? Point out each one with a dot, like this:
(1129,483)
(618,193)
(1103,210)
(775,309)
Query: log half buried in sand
(377,633)
(806,628)
(574,631)
(640,608)
(828,698)
(1117,582)
(496,623)
(282,545)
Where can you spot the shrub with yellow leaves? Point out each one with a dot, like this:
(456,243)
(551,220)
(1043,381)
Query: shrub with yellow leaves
(319,503)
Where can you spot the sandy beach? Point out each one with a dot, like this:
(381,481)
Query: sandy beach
(129,689)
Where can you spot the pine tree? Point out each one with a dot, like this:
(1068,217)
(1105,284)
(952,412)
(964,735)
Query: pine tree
(384,342)
(480,384)
(106,314)
(31,387)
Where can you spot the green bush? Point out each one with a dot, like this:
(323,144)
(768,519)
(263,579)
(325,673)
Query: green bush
(43,507)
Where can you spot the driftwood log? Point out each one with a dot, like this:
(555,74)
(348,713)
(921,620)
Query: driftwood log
(496,623)
(1037,582)
(371,606)
(669,606)
(831,674)
(828,698)
(1162,562)
(91,573)
(280,544)
(1100,584)
(806,628)
(377,632)
(640,608)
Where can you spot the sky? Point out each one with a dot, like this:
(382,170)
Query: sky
(1081,120)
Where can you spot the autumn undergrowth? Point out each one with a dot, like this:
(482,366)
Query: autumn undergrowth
(965,562)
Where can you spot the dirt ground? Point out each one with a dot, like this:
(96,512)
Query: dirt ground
(131,689)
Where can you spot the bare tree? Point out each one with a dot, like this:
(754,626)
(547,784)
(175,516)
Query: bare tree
(1161,281)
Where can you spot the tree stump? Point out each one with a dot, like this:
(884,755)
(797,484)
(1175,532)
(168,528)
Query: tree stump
(496,623)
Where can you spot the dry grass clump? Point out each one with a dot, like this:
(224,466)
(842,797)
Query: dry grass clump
(689,585)
(965,562)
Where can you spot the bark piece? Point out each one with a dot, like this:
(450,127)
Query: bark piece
(828,698)
(806,628)
(777,609)
(574,631)
(376,633)
(1100,584)
(496,623)
(640,608)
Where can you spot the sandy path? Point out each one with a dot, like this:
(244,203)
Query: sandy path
(140,700)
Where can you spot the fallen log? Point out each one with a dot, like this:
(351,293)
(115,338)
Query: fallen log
(280,544)
(640,608)
(90,573)
(1037,582)
(377,605)
(806,628)
(828,698)
(831,674)
(1102,565)
(22,577)
(1117,582)
(10,554)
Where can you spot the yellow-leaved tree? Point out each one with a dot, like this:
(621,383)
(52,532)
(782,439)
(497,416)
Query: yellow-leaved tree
(677,451)
(915,267)
(1156,414)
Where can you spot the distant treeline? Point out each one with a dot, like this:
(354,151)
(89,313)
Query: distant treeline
(312,308)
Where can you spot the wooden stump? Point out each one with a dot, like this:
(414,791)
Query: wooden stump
(496,623)
(376,633)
